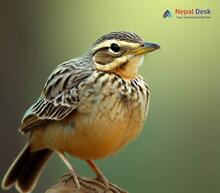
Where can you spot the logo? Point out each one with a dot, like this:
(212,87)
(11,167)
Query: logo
(193,13)
(167,14)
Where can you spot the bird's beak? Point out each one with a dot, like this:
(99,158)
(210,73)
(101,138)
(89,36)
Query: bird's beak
(145,48)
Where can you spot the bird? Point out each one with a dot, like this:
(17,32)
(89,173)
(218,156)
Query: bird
(90,107)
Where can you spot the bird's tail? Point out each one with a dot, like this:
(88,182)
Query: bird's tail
(25,170)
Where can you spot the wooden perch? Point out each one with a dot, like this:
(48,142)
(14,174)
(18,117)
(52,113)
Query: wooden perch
(88,185)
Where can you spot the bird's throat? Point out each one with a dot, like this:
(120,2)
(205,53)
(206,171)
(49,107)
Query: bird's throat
(129,70)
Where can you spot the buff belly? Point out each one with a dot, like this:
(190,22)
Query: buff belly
(95,134)
(97,129)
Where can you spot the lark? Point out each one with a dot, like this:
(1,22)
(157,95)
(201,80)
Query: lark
(90,108)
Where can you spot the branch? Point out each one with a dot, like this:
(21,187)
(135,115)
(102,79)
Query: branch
(88,185)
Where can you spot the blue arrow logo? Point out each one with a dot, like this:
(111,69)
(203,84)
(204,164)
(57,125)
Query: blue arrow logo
(167,14)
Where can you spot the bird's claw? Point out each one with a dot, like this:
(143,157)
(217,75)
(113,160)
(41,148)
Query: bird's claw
(100,181)
(69,176)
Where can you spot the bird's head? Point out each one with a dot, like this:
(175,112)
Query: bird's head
(121,53)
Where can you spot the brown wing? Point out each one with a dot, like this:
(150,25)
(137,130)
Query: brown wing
(59,97)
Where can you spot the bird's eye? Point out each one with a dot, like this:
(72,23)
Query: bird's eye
(115,47)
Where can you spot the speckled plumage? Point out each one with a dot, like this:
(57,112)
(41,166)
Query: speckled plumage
(109,108)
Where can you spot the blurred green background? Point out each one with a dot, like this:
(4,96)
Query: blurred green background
(178,150)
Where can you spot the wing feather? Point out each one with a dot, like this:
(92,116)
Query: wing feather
(59,97)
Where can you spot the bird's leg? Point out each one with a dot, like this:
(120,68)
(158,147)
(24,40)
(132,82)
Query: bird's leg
(70,167)
(100,176)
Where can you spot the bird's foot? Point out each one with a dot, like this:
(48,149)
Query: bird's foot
(116,188)
(99,183)
(69,176)
(102,179)
(104,183)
